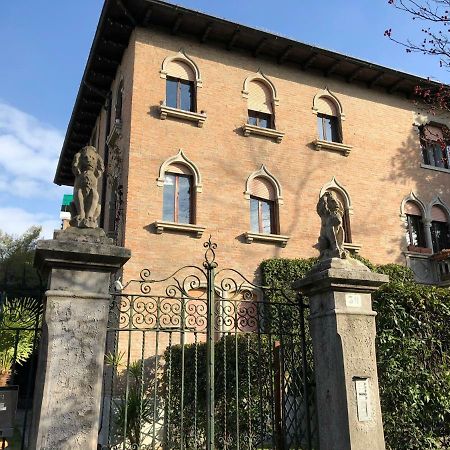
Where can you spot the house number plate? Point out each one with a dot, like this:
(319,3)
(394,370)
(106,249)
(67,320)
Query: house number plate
(353,300)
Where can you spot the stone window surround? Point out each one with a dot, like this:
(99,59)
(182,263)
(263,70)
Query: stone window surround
(162,226)
(255,130)
(167,111)
(183,228)
(251,236)
(320,144)
(425,209)
(183,57)
(181,158)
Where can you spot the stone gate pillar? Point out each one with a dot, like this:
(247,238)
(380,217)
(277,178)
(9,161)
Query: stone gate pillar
(343,334)
(79,262)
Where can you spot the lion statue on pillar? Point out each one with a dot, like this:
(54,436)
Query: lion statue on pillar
(88,167)
(332,234)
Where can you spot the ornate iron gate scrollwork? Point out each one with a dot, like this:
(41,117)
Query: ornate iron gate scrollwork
(207,359)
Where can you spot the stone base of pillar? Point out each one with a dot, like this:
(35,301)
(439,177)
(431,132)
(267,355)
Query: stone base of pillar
(69,380)
(343,335)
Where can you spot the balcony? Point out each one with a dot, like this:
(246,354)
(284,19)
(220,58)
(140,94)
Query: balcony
(430,269)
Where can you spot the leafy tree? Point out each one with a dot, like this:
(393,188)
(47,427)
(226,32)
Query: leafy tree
(17,275)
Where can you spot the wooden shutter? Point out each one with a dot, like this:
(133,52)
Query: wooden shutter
(262,188)
(178,69)
(438,214)
(259,97)
(327,107)
(412,209)
(179,168)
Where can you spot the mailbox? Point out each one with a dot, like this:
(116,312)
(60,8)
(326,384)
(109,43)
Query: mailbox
(8,407)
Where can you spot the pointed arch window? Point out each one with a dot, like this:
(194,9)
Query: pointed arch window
(180,86)
(119,103)
(328,122)
(415,233)
(178,198)
(260,105)
(263,207)
(439,229)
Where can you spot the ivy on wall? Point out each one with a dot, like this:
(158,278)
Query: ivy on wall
(413,351)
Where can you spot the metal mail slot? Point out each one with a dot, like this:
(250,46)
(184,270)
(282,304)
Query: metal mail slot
(8,407)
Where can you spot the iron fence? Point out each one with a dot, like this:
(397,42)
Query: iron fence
(206,359)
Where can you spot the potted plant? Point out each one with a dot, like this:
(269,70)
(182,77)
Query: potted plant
(19,324)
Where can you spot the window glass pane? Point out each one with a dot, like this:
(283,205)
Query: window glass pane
(186,92)
(266,216)
(264,121)
(415,234)
(328,130)
(169,198)
(252,117)
(439,236)
(171,93)
(438,155)
(320,127)
(447,161)
(254,216)
(184,199)
(335,135)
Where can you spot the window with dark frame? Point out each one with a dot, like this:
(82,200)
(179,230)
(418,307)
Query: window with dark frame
(435,155)
(328,128)
(260,119)
(440,236)
(177,198)
(415,232)
(119,104)
(180,94)
(262,216)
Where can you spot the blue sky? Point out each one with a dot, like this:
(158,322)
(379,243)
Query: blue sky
(45,44)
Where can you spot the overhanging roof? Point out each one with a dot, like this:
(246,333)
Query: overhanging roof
(118,19)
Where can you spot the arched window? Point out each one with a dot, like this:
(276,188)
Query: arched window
(178,199)
(439,229)
(265,195)
(328,125)
(415,234)
(329,115)
(263,207)
(119,103)
(260,105)
(180,85)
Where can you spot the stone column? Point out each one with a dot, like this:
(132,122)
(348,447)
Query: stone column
(428,236)
(69,379)
(343,334)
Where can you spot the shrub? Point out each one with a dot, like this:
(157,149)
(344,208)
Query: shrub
(413,348)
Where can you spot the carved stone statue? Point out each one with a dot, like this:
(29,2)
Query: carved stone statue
(332,235)
(87,166)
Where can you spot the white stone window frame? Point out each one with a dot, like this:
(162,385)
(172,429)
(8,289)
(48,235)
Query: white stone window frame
(165,111)
(181,158)
(426,218)
(320,144)
(184,58)
(248,129)
(334,185)
(251,236)
(162,226)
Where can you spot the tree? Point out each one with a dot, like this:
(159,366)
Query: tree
(434,19)
(16,262)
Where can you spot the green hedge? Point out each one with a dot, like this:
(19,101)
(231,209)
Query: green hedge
(413,348)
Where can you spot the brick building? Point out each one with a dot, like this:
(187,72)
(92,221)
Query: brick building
(208,127)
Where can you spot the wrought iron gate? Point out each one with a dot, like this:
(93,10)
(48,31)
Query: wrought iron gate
(206,359)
